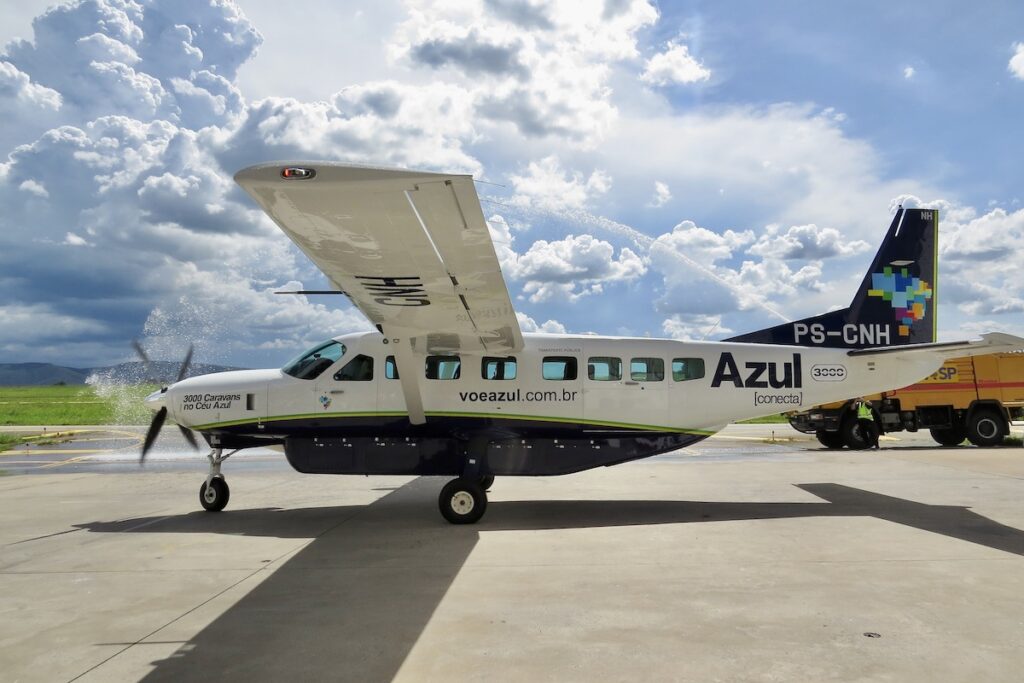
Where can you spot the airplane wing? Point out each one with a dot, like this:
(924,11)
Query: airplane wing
(410,249)
(993,342)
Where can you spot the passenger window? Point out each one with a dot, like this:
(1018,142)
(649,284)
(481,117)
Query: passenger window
(443,367)
(684,369)
(647,370)
(604,369)
(498,368)
(559,368)
(390,369)
(359,369)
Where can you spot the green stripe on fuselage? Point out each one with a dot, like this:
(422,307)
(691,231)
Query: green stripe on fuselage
(443,413)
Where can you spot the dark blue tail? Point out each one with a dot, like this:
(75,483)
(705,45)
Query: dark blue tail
(895,303)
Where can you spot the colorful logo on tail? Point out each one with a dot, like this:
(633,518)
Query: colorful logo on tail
(908,295)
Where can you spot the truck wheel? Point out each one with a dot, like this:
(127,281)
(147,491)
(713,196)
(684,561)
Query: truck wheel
(985,428)
(833,440)
(948,436)
(852,436)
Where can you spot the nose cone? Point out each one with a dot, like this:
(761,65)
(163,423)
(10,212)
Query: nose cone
(157,400)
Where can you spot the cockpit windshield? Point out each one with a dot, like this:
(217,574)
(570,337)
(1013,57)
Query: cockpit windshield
(311,363)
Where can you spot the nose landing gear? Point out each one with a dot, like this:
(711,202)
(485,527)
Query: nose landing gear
(214,493)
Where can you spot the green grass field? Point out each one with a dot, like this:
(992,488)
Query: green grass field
(74,405)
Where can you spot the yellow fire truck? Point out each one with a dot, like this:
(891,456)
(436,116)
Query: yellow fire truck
(967,398)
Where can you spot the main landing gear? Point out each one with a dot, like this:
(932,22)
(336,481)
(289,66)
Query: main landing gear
(214,493)
(464,500)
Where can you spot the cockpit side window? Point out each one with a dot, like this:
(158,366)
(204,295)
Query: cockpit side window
(359,369)
(312,363)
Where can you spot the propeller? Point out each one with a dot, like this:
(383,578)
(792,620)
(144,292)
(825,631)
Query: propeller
(147,365)
(161,415)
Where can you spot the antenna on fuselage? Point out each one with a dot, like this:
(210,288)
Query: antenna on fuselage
(713,328)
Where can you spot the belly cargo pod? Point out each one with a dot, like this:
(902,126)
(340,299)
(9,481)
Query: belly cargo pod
(967,398)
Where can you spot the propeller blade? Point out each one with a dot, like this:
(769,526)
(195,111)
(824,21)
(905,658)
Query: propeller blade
(147,365)
(140,351)
(189,436)
(185,365)
(154,429)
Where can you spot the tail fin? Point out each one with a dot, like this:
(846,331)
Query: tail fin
(895,303)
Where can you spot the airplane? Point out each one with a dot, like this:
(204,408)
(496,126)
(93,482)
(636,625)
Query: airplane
(448,384)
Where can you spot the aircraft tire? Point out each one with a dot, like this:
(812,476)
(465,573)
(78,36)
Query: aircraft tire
(831,440)
(949,436)
(486,482)
(462,501)
(219,495)
(985,428)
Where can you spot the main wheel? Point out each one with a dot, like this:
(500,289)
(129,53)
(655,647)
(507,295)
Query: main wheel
(487,482)
(985,428)
(462,501)
(214,497)
(833,440)
(852,436)
(949,436)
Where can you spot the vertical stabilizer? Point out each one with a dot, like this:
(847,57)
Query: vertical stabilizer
(895,303)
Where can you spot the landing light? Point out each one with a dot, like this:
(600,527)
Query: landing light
(297,173)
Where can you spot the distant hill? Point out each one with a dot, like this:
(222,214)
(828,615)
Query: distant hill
(34,374)
(43,374)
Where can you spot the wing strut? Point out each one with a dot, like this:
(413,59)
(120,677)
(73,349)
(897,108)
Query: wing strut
(410,370)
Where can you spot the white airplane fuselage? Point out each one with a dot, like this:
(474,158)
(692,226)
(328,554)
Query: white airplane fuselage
(643,396)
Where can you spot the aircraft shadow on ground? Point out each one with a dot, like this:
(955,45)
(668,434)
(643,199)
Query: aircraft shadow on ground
(352,603)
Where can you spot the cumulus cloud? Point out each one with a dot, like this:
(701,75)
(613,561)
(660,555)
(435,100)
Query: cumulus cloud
(134,116)
(698,278)
(384,122)
(71,239)
(674,65)
(694,327)
(522,13)
(16,85)
(662,195)
(547,186)
(1016,65)
(471,53)
(109,57)
(542,68)
(528,324)
(700,244)
(574,267)
(803,242)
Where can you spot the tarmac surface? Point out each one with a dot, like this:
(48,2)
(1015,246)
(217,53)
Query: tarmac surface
(739,559)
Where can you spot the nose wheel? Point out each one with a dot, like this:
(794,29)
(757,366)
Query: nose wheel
(214,493)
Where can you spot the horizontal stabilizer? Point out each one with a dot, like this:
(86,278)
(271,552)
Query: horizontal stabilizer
(993,342)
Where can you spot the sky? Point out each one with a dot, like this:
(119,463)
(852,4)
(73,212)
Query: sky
(688,170)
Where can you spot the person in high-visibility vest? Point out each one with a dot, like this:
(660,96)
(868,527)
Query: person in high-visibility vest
(866,422)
